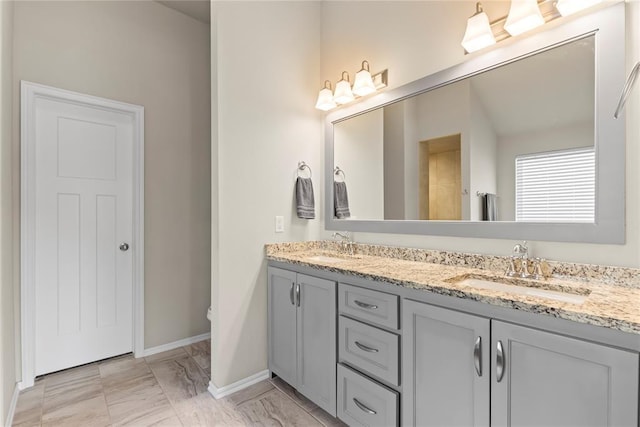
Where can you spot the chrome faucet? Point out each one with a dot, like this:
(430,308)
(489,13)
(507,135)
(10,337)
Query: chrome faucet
(521,253)
(346,241)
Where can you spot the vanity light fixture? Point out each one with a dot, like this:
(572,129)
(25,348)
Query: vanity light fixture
(343,93)
(325,98)
(363,84)
(478,34)
(568,7)
(524,15)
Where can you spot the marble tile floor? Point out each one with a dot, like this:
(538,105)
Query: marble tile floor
(166,389)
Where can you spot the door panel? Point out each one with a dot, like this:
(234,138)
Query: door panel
(106,266)
(317,341)
(441,386)
(282,324)
(84,208)
(552,380)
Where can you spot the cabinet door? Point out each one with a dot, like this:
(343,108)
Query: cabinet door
(317,341)
(552,380)
(445,369)
(282,324)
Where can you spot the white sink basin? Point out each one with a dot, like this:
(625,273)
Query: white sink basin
(324,258)
(568,297)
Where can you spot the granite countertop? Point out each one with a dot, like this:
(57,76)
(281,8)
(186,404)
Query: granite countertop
(610,303)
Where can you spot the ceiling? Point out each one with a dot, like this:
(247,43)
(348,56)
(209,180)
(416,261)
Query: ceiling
(197,9)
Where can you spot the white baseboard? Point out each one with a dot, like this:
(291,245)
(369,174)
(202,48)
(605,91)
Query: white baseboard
(176,344)
(221,392)
(12,406)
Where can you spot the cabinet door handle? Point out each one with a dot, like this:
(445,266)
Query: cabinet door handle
(366,348)
(298,293)
(500,362)
(291,294)
(477,356)
(365,305)
(363,407)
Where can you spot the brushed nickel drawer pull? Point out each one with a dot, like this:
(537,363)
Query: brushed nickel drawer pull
(291,297)
(364,407)
(366,348)
(365,305)
(500,361)
(477,356)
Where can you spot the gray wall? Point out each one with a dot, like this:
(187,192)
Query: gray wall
(7,330)
(143,53)
(265,79)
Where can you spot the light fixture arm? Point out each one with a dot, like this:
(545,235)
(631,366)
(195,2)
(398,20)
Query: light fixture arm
(342,77)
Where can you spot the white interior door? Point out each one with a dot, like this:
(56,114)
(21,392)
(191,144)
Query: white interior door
(83,214)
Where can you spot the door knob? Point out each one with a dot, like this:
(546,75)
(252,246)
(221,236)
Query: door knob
(124,247)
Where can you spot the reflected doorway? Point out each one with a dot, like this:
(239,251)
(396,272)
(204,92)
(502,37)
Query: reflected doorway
(440,177)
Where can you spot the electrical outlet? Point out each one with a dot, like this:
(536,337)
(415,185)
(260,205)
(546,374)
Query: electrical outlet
(279,224)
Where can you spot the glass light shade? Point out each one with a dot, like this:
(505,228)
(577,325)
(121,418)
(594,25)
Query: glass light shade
(524,15)
(478,34)
(567,7)
(343,93)
(325,98)
(364,82)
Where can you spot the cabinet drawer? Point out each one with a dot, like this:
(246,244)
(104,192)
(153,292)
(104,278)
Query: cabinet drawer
(369,349)
(371,306)
(363,402)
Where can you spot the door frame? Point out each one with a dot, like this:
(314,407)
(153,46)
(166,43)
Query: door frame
(29,93)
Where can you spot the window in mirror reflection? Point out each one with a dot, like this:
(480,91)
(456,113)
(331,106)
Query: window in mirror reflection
(435,156)
(556,187)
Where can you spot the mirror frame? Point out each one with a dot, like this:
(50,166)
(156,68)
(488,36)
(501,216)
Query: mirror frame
(608,25)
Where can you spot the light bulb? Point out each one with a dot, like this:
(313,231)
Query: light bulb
(567,7)
(524,15)
(363,84)
(325,98)
(478,34)
(343,93)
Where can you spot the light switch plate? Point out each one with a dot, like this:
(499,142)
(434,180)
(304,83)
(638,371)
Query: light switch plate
(279,224)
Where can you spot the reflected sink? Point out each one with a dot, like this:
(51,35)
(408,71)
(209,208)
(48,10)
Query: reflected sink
(523,287)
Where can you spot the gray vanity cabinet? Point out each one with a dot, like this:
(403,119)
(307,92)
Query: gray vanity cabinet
(544,379)
(445,360)
(282,321)
(302,334)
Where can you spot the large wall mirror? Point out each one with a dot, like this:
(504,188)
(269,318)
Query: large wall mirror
(516,143)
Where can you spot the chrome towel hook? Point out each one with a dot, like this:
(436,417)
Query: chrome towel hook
(339,172)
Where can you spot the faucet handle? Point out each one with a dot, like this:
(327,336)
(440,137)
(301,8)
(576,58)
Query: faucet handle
(511,268)
(538,271)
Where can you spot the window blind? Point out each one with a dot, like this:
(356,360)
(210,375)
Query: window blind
(556,186)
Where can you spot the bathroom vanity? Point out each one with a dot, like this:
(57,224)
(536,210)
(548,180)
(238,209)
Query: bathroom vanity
(395,336)
(392,336)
